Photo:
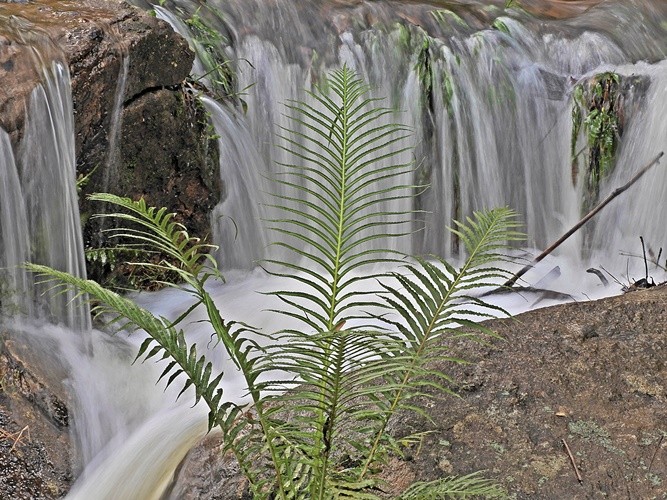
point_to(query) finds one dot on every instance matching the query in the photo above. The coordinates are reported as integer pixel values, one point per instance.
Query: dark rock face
(34, 442)
(162, 150)
(179, 171)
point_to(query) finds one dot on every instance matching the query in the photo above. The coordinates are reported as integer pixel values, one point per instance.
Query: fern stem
(240, 360)
(327, 422)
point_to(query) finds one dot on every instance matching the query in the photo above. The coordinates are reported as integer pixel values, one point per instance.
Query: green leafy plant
(596, 112)
(216, 74)
(208, 45)
(321, 396)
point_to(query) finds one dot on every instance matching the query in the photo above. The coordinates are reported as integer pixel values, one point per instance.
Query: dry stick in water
(583, 221)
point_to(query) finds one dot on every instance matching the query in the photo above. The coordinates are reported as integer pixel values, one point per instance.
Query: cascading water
(491, 111)
(15, 241)
(40, 217)
(646, 133)
(491, 107)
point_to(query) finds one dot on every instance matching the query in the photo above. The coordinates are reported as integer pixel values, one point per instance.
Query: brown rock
(166, 157)
(593, 374)
(34, 441)
(163, 150)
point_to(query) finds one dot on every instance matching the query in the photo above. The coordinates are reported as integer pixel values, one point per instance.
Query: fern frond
(433, 302)
(469, 486)
(153, 229)
(163, 340)
(189, 259)
(335, 205)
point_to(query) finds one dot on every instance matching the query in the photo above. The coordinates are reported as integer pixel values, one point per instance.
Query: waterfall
(40, 214)
(16, 296)
(640, 212)
(487, 92)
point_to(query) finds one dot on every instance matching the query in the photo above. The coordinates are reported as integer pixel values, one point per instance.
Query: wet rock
(111, 47)
(34, 442)
(178, 169)
(546, 381)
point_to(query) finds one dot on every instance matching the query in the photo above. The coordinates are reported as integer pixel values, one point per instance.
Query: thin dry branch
(15, 436)
(574, 463)
(583, 221)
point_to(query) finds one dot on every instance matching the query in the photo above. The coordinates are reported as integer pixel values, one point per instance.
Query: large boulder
(139, 131)
(592, 375)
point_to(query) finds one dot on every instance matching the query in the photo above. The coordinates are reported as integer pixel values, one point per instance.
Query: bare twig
(598, 273)
(641, 238)
(574, 464)
(662, 437)
(583, 221)
(16, 436)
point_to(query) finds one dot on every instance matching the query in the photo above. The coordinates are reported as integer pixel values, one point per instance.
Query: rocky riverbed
(588, 374)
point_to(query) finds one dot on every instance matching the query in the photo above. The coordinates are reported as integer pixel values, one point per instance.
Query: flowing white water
(492, 123)
(496, 132)
(16, 292)
(40, 215)
(113, 155)
(639, 213)
(492, 127)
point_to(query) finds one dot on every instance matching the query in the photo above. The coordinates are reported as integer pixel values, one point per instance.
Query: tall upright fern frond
(336, 222)
(336, 210)
(338, 219)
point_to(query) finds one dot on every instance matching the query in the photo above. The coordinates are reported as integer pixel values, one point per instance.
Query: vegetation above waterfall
(323, 394)
(597, 123)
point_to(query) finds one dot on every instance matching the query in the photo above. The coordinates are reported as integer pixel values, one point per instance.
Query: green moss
(402, 37)
(591, 432)
(425, 71)
(447, 18)
(500, 26)
(596, 122)
(497, 447)
(448, 91)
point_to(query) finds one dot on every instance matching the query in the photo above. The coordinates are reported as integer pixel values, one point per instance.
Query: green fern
(346, 172)
(433, 301)
(334, 213)
(291, 440)
(155, 232)
(470, 486)
(359, 379)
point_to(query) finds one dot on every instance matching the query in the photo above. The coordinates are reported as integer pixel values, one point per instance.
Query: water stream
(40, 217)
(489, 96)
(492, 122)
